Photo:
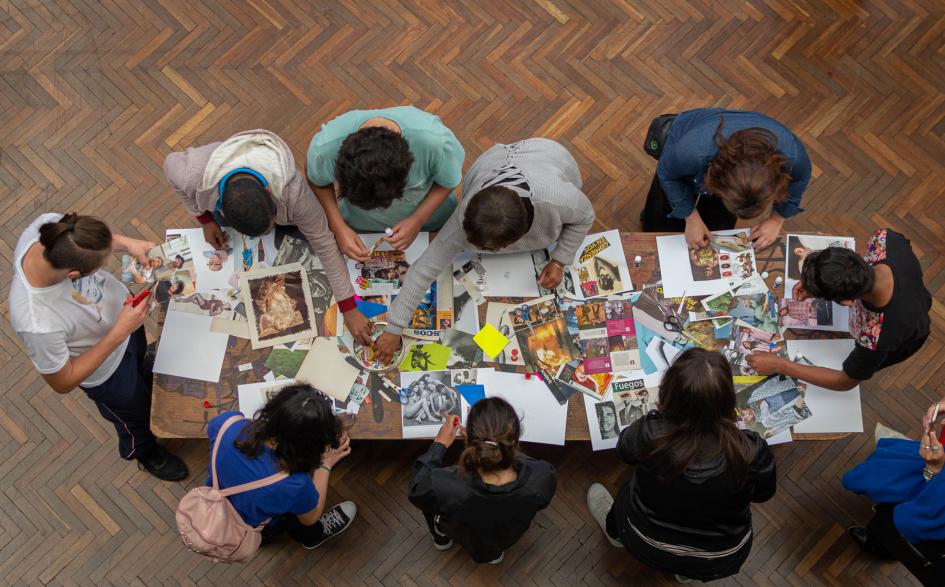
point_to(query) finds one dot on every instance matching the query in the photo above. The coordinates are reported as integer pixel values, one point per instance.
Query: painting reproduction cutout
(278, 305)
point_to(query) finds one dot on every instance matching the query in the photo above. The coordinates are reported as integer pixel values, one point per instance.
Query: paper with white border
(411, 255)
(206, 279)
(305, 309)
(841, 314)
(507, 274)
(833, 411)
(676, 270)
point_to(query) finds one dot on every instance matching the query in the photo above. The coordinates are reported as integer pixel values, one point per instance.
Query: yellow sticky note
(491, 341)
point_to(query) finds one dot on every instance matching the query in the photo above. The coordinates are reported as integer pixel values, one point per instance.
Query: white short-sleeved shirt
(66, 319)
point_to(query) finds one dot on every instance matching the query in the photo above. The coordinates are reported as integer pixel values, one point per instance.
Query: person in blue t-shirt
(296, 432)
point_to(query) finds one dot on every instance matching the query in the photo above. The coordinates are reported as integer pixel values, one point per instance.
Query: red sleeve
(205, 218)
(347, 304)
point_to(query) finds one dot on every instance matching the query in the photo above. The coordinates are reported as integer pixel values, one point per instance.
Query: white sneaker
(335, 521)
(498, 560)
(599, 502)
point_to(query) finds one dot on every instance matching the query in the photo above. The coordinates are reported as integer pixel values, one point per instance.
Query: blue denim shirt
(690, 147)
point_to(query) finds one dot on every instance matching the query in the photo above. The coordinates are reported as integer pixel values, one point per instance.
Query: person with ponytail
(296, 433)
(81, 330)
(717, 166)
(686, 510)
(488, 501)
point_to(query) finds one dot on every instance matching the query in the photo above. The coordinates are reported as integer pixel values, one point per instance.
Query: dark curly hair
(495, 218)
(301, 423)
(492, 434)
(372, 167)
(248, 206)
(836, 274)
(749, 174)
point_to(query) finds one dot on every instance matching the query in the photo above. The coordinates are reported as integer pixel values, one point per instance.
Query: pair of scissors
(671, 320)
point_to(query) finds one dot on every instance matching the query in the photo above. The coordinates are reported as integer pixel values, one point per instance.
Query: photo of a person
(279, 303)
(809, 312)
(607, 420)
(134, 271)
(209, 306)
(428, 398)
(217, 258)
(608, 276)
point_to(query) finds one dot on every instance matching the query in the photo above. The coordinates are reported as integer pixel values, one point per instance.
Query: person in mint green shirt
(394, 167)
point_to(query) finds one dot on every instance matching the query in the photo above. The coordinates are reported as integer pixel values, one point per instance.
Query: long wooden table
(181, 408)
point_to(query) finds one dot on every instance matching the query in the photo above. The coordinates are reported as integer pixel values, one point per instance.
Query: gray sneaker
(599, 502)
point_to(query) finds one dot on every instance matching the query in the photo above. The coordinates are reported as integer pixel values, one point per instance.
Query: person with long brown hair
(487, 502)
(717, 166)
(81, 329)
(687, 508)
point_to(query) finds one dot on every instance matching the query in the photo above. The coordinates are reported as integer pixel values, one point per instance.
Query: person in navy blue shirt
(717, 166)
(296, 432)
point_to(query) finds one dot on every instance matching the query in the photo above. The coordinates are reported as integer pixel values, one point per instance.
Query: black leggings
(290, 524)
(656, 210)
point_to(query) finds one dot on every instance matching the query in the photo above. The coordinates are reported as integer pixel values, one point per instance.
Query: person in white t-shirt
(81, 329)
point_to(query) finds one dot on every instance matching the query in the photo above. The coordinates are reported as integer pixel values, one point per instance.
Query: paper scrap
(253, 396)
(237, 328)
(491, 341)
(370, 309)
(325, 368)
(425, 357)
(245, 367)
(270, 376)
(471, 392)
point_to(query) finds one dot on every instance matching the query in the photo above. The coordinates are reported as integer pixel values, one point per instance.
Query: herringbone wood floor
(94, 94)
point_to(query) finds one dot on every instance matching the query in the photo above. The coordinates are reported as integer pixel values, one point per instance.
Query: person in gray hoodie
(520, 197)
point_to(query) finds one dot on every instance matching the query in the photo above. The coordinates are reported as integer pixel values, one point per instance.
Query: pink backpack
(209, 524)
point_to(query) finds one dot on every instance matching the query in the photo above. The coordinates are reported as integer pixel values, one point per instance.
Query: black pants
(925, 560)
(478, 550)
(124, 399)
(290, 524)
(618, 526)
(655, 214)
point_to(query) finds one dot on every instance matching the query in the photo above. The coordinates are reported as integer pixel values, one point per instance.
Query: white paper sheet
(833, 411)
(508, 274)
(413, 252)
(207, 279)
(782, 437)
(189, 349)
(544, 419)
(795, 247)
(252, 396)
(677, 271)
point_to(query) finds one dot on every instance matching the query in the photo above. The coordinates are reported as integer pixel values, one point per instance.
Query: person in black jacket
(488, 502)
(686, 509)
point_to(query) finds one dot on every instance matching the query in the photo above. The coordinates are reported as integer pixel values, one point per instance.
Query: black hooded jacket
(704, 508)
(484, 519)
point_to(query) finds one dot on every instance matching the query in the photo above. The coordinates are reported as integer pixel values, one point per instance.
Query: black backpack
(656, 135)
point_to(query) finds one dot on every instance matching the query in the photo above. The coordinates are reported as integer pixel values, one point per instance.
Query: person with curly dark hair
(717, 166)
(489, 500)
(295, 433)
(394, 167)
(889, 309)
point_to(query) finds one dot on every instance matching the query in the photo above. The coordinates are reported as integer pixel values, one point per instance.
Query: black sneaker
(867, 543)
(334, 522)
(440, 541)
(163, 465)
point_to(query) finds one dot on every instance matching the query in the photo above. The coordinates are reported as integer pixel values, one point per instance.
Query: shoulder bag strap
(216, 447)
(275, 478)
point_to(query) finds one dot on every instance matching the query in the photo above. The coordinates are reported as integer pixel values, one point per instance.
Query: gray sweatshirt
(563, 215)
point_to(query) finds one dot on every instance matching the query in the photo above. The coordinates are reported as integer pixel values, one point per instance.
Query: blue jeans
(124, 399)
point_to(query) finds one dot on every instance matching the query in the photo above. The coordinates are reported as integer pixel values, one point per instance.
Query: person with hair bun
(889, 309)
(717, 166)
(488, 501)
(81, 330)
(687, 508)
(296, 433)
